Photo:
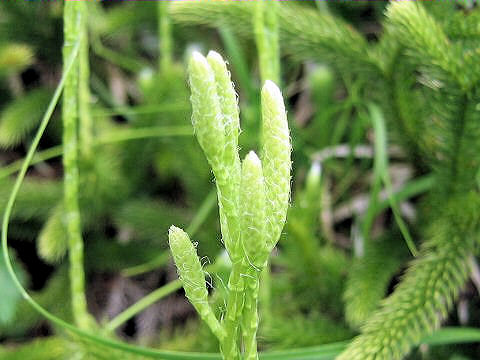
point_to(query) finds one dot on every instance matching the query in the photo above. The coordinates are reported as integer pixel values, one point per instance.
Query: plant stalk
(73, 15)
(86, 123)
(165, 36)
(250, 316)
(235, 301)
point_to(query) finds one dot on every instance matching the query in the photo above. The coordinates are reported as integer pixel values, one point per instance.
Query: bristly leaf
(21, 116)
(369, 276)
(328, 38)
(426, 294)
(15, 57)
(424, 36)
(52, 240)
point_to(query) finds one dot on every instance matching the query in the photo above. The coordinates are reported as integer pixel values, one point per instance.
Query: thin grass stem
(142, 304)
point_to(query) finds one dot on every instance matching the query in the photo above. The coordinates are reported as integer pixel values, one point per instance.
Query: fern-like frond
(452, 131)
(327, 39)
(369, 277)
(424, 37)
(21, 115)
(427, 41)
(422, 300)
(448, 132)
(305, 331)
(464, 25)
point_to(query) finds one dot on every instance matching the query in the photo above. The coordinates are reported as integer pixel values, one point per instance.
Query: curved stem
(113, 137)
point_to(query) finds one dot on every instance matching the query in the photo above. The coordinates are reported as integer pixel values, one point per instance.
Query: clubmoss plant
(252, 196)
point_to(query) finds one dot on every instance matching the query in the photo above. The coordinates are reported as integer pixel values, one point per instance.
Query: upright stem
(234, 312)
(250, 316)
(165, 36)
(266, 38)
(265, 296)
(73, 20)
(86, 123)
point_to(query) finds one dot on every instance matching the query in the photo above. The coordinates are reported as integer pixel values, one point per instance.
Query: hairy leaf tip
(253, 159)
(207, 117)
(252, 202)
(198, 61)
(215, 56)
(271, 92)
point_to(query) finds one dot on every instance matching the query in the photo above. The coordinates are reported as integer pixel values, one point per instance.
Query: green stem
(142, 133)
(165, 36)
(158, 294)
(229, 346)
(44, 155)
(114, 57)
(86, 123)
(142, 109)
(142, 304)
(250, 316)
(113, 137)
(239, 63)
(72, 34)
(265, 295)
(267, 40)
(155, 263)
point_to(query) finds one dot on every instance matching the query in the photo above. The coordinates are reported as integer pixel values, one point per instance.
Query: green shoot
(253, 200)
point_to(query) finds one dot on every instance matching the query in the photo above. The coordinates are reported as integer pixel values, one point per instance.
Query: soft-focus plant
(383, 109)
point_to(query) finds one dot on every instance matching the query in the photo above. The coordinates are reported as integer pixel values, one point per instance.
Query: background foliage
(383, 99)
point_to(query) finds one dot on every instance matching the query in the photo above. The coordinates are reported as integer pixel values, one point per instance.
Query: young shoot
(253, 199)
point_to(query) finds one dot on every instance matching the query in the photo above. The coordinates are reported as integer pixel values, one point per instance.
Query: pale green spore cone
(253, 218)
(215, 119)
(192, 276)
(228, 177)
(276, 152)
(229, 107)
(206, 114)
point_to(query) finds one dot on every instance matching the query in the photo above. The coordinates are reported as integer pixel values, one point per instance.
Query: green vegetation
(352, 235)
